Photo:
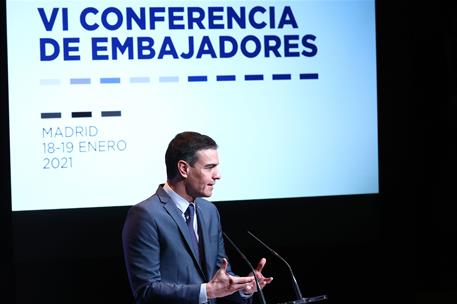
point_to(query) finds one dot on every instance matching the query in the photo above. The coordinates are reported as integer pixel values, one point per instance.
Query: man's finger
(223, 265)
(267, 280)
(236, 287)
(237, 283)
(241, 280)
(261, 264)
(240, 283)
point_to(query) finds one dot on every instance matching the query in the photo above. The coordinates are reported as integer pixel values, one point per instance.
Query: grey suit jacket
(160, 262)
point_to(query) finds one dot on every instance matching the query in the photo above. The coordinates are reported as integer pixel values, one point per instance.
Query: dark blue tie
(189, 214)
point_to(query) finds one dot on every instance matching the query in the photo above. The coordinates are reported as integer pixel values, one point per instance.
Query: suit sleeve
(142, 258)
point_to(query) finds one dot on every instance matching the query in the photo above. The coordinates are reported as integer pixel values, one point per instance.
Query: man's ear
(183, 167)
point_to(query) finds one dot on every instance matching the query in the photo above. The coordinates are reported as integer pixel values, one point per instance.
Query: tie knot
(189, 213)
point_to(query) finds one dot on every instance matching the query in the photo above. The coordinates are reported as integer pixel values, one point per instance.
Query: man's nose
(216, 174)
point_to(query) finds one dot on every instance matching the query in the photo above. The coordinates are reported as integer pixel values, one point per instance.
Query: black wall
(6, 257)
(356, 249)
(433, 140)
(75, 256)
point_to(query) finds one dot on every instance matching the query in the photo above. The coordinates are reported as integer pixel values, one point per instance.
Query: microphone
(298, 294)
(262, 298)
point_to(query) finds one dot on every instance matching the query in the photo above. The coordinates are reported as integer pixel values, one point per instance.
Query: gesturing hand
(262, 280)
(224, 284)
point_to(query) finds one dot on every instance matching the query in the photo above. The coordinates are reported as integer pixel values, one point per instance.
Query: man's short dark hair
(185, 146)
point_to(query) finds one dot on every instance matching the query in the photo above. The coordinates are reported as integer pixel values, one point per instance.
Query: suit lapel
(203, 231)
(176, 215)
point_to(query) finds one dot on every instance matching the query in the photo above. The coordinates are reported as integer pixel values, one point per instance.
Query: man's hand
(262, 280)
(223, 284)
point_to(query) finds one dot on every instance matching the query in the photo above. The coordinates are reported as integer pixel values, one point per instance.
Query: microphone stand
(298, 294)
(262, 297)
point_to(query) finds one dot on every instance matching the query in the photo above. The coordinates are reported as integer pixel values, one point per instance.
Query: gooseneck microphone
(295, 284)
(262, 298)
(297, 291)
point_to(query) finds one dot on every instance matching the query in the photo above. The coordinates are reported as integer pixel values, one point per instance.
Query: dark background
(398, 245)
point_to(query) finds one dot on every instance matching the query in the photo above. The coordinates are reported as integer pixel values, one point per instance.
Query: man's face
(202, 176)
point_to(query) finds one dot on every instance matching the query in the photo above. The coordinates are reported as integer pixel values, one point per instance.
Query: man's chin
(208, 193)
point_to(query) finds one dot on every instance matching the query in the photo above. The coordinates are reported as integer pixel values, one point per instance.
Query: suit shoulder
(207, 204)
(149, 205)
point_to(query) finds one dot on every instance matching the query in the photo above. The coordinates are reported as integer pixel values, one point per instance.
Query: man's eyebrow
(210, 165)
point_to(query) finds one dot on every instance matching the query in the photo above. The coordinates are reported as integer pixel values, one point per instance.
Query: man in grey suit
(173, 245)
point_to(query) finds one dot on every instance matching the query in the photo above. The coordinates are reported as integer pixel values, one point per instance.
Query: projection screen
(97, 89)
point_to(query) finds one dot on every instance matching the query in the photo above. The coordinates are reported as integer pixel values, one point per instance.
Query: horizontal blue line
(51, 115)
(169, 79)
(193, 78)
(197, 78)
(81, 114)
(49, 81)
(140, 79)
(79, 80)
(253, 77)
(282, 76)
(111, 113)
(309, 76)
(225, 77)
(110, 80)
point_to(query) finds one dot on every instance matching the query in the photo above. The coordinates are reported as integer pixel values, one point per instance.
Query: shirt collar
(180, 202)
